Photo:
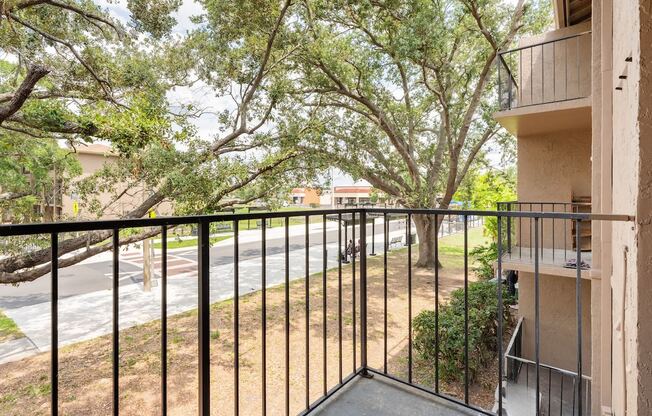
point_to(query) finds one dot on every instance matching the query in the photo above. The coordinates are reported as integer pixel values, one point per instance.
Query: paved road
(96, 273)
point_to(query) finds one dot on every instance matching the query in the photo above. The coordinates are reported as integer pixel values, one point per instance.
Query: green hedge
(482, 331)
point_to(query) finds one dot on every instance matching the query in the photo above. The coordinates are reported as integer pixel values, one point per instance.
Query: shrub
(483, 328)
(485, 257)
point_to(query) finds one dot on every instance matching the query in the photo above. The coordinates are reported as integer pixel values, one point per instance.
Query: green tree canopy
(404, 92)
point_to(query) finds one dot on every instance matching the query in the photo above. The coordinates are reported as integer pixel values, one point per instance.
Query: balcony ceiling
(571, 12)
(547, 118)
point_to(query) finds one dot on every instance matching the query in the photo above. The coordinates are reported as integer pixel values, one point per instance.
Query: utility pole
(332, 189)
(148, 256)
(148, 269)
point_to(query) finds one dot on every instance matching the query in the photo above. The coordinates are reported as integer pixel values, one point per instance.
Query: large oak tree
(405, 92)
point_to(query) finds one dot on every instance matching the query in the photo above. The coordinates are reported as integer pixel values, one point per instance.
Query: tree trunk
(427, 230)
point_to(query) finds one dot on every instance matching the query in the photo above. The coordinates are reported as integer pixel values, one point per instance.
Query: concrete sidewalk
(88, 315)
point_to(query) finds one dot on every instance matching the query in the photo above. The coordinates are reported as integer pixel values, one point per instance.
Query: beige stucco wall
(632, 193)
(553, 167)
(558, 323)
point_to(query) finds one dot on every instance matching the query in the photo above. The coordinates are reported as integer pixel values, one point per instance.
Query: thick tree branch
(34, 74)
(10, 196)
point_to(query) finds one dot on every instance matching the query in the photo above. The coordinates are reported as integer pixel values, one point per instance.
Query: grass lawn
(192, 242)
(85, 368)
(8, 329)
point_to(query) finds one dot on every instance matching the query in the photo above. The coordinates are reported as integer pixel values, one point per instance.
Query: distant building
(305, 197)
(92, 158)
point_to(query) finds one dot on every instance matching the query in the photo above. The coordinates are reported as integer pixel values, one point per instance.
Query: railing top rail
(550, 367)
(73, 226)
(512, 340)
(510, 347)
(520, 48)
(545, 203)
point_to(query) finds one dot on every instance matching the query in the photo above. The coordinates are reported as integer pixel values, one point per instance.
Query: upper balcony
(555, 243)
(546, 86)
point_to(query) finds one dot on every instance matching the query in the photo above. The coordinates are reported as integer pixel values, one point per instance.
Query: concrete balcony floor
(550, 261)
(381, 396)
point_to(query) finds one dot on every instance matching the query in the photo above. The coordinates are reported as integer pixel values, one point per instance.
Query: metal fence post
(203, 322)
(363, 292)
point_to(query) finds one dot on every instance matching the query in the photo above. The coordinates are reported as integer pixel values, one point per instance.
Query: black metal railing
(548, 72)
(558, 387)
(557, 236)
(359, 299)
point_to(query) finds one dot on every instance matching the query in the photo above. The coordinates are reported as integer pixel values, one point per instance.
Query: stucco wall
(632, 193)
(552, 168)
(558, 318)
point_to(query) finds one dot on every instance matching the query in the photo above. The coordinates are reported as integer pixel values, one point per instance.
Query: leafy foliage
(485, 257)
(483, 309)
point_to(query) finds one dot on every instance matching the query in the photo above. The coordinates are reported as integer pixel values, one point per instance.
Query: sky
(203, 96)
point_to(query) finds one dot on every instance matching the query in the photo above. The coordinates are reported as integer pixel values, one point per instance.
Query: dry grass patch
(85, 375)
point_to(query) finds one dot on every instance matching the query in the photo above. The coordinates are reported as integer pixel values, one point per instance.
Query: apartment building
(92, 158)
(305, 196)
(579, 100)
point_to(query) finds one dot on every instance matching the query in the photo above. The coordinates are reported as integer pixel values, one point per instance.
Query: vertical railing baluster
(373, 236)
(355, 361)
(363, 291)
(566, 233)
(346, 242)
(307, 307)
(54, 320)
(561, 396)
(508, 208)
(324, 306)
(385, 244)
(116, 322)
(236, 316)
(466, 311)
(553, 233)
(287, 315)
(574, 394)
(164, 320)
(499, 337)
(520, 233)
(339, 292)
(549, 387)
(500, 86)
(436, 305)
(409, 255)
(531, 223)
(578, 300)
(537, 313)
(263, 275)
(204, 319)
(543, 227)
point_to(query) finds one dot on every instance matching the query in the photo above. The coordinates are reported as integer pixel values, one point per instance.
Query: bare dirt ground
(85, 368)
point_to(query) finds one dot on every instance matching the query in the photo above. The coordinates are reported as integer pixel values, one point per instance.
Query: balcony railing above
(549, 72)
(558, 387)
(557, 237)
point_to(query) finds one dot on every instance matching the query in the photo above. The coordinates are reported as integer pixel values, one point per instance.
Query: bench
(396, 240)
(259, 223)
